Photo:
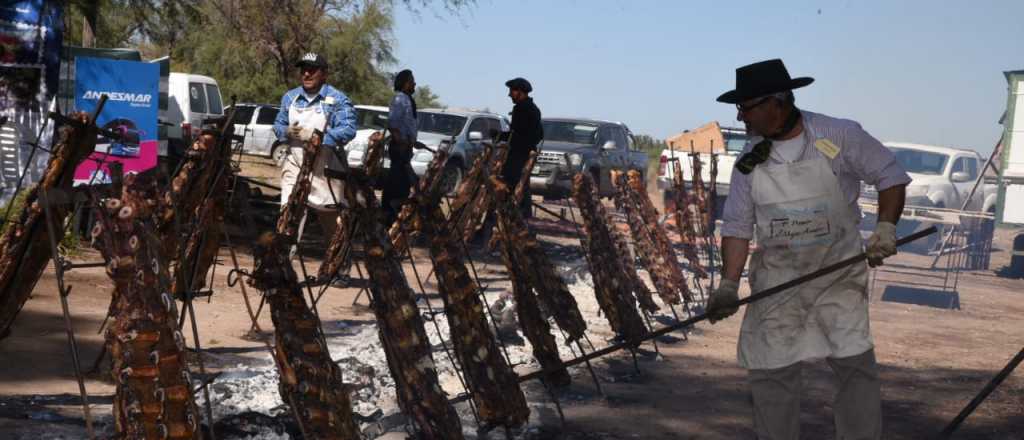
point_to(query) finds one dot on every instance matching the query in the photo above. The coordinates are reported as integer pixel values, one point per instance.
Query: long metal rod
(63, 292)
(982, 395)
(755, 297)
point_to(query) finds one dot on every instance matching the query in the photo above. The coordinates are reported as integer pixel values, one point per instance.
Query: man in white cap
(795, 189)
(315, 105)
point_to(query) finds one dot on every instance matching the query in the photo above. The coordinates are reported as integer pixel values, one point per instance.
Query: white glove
(881, 244)
(728, 292)
(299, 133)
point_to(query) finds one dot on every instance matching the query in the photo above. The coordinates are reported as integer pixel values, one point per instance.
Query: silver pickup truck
(572, 145)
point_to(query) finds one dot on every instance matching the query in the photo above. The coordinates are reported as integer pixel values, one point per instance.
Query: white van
(191, 98)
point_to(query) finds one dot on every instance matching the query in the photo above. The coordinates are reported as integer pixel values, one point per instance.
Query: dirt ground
(933, 359)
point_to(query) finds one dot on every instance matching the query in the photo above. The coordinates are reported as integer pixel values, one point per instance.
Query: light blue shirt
(341, 126)
(401, 117)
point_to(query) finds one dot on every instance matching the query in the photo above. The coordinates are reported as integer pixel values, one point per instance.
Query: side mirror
(960, 176)
(609, 145)
(475, 136)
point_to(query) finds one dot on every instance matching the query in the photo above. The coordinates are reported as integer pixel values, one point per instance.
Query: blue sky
(914, 71)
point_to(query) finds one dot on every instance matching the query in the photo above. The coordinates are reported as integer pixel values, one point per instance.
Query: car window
(479, 125)
(243, 114)
(373, 119)
(213, 93)
(972, 167)
(493, 128)
(921, 162)
(196, 98)
(571, 132)
(632, 142)
(447, 125)
(266, 116)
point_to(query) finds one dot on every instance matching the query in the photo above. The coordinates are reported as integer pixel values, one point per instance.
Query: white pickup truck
(943, 177)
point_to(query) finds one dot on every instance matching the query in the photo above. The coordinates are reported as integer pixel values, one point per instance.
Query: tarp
(704, 139)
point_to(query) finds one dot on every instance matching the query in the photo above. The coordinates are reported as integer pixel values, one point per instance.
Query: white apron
(803, 224)
(310, 118)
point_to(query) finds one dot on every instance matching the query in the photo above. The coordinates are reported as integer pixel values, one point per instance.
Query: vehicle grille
(549, 157)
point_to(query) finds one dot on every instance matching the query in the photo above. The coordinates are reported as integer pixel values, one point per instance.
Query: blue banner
(131, 111)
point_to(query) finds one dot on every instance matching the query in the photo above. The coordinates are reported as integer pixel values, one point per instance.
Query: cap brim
(310, 64)
(738, 96)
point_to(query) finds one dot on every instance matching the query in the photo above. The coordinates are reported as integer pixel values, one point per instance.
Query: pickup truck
(943, 177)
(734, 140)
(572, 145)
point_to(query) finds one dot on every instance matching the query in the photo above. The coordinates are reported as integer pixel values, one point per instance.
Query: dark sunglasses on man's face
(746, 108)
(756, 156)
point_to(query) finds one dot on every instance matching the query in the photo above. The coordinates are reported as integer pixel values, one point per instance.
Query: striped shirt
(342, 125)
(862, 158)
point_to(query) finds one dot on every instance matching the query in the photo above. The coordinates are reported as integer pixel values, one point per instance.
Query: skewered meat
(153, 397)
(605, 267)
(24, 246)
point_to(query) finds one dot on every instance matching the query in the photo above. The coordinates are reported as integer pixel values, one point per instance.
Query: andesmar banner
(132, 90)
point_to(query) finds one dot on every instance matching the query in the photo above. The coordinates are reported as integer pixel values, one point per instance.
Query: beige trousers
(857, 403)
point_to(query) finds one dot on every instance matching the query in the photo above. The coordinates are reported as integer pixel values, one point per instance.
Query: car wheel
(451, 177)
(278, 152)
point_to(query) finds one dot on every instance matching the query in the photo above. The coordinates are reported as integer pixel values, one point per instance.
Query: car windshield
(448, 125)
(921, 162)
(571, 132)
(734, 142)
(371, 119)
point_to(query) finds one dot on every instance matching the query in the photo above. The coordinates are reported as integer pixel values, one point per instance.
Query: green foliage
(425, 98)
(653, 147)
(15, 205)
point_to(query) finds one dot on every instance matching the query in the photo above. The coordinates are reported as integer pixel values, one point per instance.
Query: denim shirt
(341, 126)
(400, 116)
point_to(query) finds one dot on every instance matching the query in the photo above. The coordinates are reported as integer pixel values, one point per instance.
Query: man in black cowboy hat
(797, 185)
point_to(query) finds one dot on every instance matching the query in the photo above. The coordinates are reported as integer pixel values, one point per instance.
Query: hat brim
(738, 96)
(310, 64)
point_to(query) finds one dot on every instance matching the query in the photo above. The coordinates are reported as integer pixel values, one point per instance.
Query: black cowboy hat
(760, 79)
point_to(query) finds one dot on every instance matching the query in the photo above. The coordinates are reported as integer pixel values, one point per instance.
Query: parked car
(942, 177)
(369, 119)
(734, 140)
(191, 99)
(255, 122)
(573, 145)
(461, 133)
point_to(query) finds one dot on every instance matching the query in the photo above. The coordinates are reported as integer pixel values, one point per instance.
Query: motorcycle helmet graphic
(128, 144)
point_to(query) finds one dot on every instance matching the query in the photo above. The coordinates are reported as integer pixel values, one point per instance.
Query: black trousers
(398, 183)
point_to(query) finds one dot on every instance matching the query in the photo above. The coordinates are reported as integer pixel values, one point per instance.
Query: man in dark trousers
(526, 133)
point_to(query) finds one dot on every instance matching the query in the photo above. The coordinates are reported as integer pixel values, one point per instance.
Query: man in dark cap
(526, 133)
(315, 105)
(796, 187)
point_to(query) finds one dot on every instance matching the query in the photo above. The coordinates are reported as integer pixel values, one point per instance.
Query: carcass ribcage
(310, 383)
(551, 290)
(656, 253)
(472, 184)
(153, 390)
(484, 199)
(684, 216)
(700, 195)
(408, 224)
(201, 203)
(610, 287)
(512, 232)
(643, 295)
(338, 257)
(24, 246)
(492, 383)
(712, 194)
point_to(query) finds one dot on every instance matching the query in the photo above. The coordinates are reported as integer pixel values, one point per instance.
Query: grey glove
(728, 292)
(294, 132)
(881, 244)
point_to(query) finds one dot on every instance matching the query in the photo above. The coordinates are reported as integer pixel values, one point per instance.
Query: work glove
(881, 244)
(728, 292)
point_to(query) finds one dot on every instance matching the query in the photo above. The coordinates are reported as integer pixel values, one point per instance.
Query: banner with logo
(131, 111)
(30, 40)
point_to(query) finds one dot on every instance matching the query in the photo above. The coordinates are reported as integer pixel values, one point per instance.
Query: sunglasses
(757, 155)
(746, 108)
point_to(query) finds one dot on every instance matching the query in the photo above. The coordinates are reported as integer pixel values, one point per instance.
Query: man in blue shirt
(315, 105)
(403, 125)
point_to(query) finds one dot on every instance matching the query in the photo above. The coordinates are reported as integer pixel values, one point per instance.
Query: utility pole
(90, 12)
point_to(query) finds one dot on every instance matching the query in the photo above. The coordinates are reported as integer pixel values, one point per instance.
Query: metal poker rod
(755, 297)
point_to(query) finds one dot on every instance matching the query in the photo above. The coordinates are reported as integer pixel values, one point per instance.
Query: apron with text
(311, 118)
(803, 224)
